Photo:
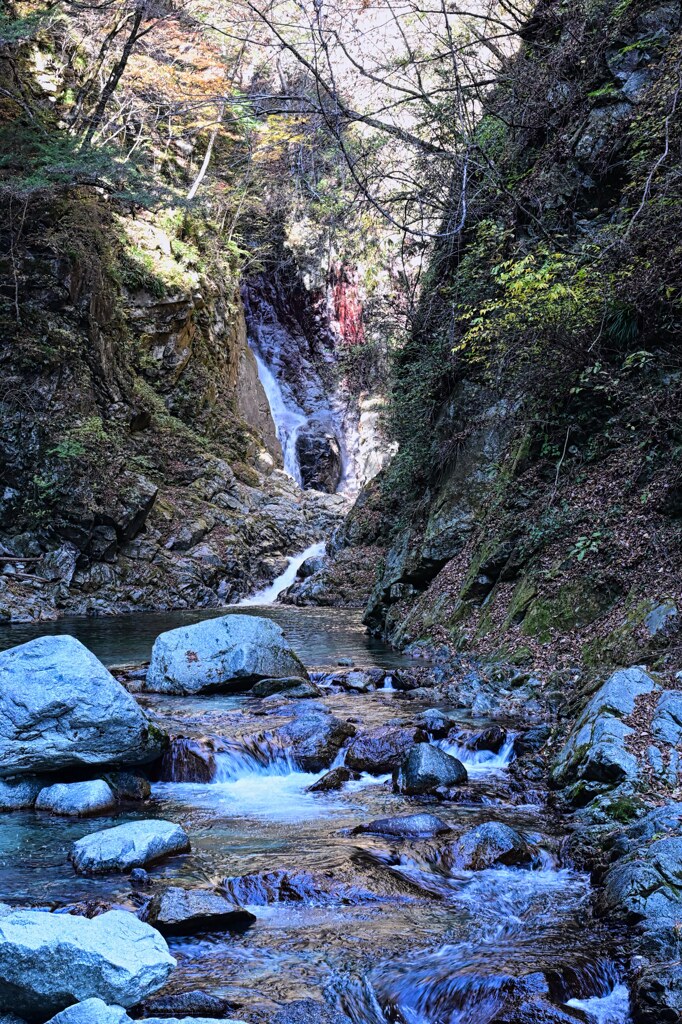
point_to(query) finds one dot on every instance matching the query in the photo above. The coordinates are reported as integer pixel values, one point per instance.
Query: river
(387, 930)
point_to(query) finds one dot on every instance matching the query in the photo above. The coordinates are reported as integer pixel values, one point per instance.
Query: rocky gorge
(340, 670)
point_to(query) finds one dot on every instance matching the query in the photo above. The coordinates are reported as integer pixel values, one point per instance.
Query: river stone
(223, 653)
(91, 1011)
(334, 779)
(426, 769)
(409, 826)
(61, 708)
(177, 911)
(129, 785)
(281, 886)
(379, 751)
(48, 961)
(183, 1004)
(314, 738)
(292, 687)
(489, 843)
(76, 798)
(127, 846)
(18, 793)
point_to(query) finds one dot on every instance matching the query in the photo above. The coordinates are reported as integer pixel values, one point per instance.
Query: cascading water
(287, 416)
(479, 761)
(270, 594)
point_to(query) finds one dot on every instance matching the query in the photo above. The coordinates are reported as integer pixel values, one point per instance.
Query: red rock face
(347, 304)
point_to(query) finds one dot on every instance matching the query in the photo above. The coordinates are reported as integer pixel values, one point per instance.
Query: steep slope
(534, 508)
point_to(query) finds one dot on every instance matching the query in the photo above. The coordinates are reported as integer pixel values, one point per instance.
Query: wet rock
(48, 961)
(186, 1004)
(334, 779)
(61, 708)
(223, 653)
(187, 760)
(132, 845)
(489, 843)
(319, 458)
(657, 995)
(532, 740)
(407, 826)
(18, 793)
(314, 738)
(294, 686)
(77, 798)
(308, 1011)
(539, 1011)
(177, 911)
(596, 749)
(426, 769)
(293, 887)
(129, 785)
(492, 738)
(91, 1011)
(139, 878)
(381, 750)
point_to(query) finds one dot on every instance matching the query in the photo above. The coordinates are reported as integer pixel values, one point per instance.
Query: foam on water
(270, 594)
(613, 1008)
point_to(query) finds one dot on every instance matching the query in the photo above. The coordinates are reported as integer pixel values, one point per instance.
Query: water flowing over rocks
(127, 846)
(48, 961)
(60, 708)
(218, 653)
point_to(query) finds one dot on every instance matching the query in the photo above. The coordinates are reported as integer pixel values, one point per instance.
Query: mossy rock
(575, 605)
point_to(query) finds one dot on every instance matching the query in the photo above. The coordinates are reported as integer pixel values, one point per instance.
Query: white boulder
(91, 1011)
(49, 961)
(127, 846)
(61, 708)
(77, 798)
(219, 654)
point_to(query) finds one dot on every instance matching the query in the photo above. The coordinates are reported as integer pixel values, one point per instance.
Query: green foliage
(587, 545)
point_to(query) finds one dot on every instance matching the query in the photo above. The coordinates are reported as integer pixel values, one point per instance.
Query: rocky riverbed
(234, 833)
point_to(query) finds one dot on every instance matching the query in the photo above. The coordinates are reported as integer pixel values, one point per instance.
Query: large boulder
(177, 911)
(127, 846)
(221, 654)
(60, 708)
(427, 769)
(18, 793)
(49, 961)
(91, 1011)
(596, 751)
(77, 798)
(379, 751)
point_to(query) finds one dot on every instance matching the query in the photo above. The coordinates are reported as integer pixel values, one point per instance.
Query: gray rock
(132, 845)
(295, 686)
(177, 911)
(596, 748)
(91, 1011)
(314, 738)
(411, 826)
(61, 708)
(129, 785)
(48, 961)
(381, 750)
(185, 1003)
(18, 793)
(76, 798)
(659, 618)
(667, 721)
(219, 654)
(426, 769)
(489, 843)
(334, 779)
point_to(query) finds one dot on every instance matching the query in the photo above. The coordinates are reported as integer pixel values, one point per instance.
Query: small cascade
(613, 1008)
(479, 761)
(270, 594)
(287, 416)
(262, 759)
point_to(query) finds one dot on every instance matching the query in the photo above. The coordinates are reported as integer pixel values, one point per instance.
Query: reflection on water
(320, 636)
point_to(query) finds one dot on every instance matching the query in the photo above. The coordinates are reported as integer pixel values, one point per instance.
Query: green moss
(577, 604)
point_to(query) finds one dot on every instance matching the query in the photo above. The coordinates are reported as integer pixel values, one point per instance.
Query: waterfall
(270, 594)
(287, 417)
